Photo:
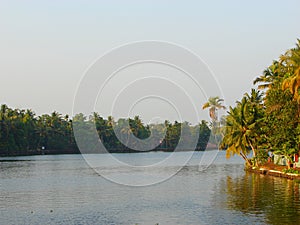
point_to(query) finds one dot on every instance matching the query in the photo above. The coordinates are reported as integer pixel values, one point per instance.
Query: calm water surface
(63, 189)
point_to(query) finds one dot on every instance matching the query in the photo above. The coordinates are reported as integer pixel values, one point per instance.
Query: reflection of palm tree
(214, 104)
(253, 194)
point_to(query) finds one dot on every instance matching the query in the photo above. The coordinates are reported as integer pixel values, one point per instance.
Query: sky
(47, 47)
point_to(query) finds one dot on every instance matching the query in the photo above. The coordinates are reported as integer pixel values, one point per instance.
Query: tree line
(22, 132)
(267, 119)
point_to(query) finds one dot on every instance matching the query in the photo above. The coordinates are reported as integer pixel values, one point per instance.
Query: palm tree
(242, 127)
(293, 84)
(255, 97)
(29, 121)
(123, 129)
(110, 121)
(235, 138)
(284, 73)
(290, 62)
(270, 77)
(214, 104)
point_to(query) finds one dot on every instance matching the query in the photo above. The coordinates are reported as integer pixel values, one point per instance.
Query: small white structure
(283, 161)
(280, 160)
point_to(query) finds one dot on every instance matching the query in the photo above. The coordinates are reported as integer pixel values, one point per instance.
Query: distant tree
(214, 104)
(204, 134)
(22, 133)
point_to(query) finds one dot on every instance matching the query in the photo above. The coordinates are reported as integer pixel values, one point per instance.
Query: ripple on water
(219, 194)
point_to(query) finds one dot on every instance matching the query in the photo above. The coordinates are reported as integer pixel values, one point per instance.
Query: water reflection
(274, 199)
(221, 194)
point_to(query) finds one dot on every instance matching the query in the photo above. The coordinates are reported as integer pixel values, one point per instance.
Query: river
(64, 189)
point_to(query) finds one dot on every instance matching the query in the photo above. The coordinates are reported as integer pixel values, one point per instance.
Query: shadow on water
(277, 200)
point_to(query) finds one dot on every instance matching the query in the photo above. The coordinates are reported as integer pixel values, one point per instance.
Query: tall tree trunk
(254, 153)
(246, 159)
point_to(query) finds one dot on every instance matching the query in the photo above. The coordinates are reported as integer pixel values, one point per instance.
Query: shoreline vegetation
(263, 124)
(266, 122)
(275, 170)
(22, 133)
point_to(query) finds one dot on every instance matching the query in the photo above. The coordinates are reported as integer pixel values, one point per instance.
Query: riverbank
(76, 151)
(275, 170)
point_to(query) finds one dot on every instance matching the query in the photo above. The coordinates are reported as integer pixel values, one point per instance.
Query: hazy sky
(46, 46)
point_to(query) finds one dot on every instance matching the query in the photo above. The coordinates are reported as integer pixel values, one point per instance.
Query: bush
(291, 170)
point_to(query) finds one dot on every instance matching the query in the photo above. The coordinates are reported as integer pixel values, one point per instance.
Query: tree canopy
(269, 122)
(22, 132)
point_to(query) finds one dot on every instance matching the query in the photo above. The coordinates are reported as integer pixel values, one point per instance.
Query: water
(63, 189)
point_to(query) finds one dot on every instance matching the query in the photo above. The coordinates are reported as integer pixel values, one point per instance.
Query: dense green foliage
(260, 125)
(23, 133)
(290, 170)
(243, 126)
(204, 134)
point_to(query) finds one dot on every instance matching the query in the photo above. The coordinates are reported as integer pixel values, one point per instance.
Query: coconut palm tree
(123, 130)
(270, 77)
(293, 84)
(214, 104)
(290, 62)
(235, 138)
(242, 123)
